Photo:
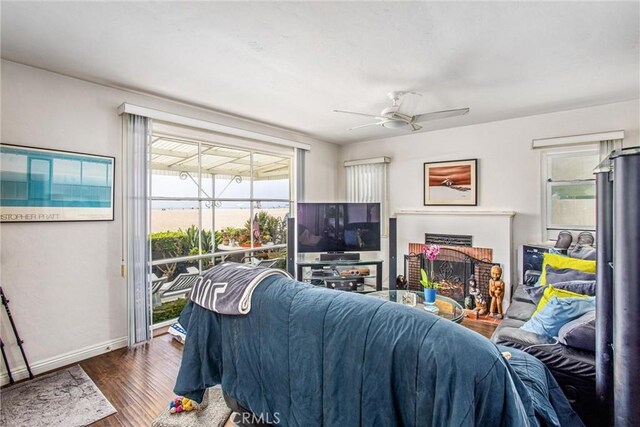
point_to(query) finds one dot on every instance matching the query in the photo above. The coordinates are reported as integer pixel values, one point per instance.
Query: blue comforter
(310, 356)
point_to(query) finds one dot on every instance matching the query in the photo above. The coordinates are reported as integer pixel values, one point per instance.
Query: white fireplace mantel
(453, 212)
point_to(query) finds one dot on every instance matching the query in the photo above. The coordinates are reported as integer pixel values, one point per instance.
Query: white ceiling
(291, 64)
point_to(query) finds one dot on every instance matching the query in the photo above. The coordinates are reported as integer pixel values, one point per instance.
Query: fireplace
(487, 228)
(453, 269)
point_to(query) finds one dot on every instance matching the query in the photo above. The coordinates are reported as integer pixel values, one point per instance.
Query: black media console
(324, 265)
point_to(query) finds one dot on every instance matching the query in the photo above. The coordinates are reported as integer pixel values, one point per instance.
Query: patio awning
(172, 156)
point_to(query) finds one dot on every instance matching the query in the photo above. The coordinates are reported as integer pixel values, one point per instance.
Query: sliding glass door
(212, 202)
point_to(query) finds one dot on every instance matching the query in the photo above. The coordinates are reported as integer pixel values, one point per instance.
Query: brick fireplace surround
(448, 258)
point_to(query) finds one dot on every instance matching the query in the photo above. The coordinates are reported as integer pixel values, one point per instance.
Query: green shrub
(169, 244)
(207, 244)
(168, 310)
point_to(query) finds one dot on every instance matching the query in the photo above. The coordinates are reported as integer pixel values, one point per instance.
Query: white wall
(508, 169)
(63, 279)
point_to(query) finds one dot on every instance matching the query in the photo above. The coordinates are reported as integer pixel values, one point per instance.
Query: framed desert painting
(452, 183)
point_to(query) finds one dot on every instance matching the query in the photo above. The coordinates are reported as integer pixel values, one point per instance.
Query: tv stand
(344, 263)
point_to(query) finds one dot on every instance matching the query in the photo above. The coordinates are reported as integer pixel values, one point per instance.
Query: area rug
(214, 415)
(66, 398)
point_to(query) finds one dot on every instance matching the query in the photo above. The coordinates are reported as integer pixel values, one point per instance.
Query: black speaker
(393, 252)
(352, 284)
(340, 256)
(291, 247)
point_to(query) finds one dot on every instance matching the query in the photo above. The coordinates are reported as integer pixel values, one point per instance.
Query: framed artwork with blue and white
(41, 185)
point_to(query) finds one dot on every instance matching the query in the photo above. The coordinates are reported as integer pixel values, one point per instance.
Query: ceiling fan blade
(439, 115)
(360, 114)
(364, 126)
(415, 127)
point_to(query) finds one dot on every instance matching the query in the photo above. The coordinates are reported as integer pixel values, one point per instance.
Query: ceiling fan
(400, 114)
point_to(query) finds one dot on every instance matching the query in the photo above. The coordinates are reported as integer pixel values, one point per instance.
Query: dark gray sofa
(573, 368)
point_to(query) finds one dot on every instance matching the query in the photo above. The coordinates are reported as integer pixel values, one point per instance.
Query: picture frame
(409, 298)
(451, 183)
(44, 185)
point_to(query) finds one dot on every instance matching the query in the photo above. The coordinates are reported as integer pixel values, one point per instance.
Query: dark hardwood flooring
(484, 329)
(139, 382)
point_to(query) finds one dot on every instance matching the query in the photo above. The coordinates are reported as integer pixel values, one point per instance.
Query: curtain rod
(204, 124)
(577, 139)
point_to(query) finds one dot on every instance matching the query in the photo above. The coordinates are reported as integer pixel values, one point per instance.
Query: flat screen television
(338, 227)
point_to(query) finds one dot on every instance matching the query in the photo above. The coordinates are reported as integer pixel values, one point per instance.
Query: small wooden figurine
(496, 291)
(480, 303)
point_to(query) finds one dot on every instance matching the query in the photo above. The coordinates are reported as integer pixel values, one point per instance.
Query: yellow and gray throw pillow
(561, 262)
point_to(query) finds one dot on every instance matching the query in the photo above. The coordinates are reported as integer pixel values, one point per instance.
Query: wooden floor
(484, 329)
(139, 382)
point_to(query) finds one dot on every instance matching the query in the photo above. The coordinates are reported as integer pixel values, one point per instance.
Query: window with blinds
(366, 181)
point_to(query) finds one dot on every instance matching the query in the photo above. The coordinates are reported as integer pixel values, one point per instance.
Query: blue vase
(430, 301)
(430, 296)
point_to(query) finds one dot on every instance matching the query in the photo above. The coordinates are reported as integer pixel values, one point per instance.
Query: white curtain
(138, 131)
(606, 147)
(368, 183)
(300, 171)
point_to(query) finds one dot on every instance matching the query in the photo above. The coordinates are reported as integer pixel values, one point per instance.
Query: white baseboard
(64, 359)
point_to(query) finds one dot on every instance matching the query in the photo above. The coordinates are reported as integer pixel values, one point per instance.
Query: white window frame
(251, 200)
(202, 139)
(549, 230)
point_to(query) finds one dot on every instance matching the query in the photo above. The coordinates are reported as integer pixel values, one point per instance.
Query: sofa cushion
(520, 310)
(521, 294)
(580, 333)
(584, 252)
(559, 275)
(573, 362)
(535, 293)
(562, 261)
(509, 331)
(551, 292)
(558, 312)
(584, 287)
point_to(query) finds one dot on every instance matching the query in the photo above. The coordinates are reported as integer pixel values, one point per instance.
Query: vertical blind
(367, 182)
(137, 245)
(609, 145)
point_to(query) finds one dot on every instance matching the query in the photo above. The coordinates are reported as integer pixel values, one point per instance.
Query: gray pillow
(584, 287)
(580, 333)
(535, 293)
(584, 252)
(559, 275)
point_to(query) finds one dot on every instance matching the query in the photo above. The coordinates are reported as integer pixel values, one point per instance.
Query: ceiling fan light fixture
(394, 124)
